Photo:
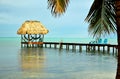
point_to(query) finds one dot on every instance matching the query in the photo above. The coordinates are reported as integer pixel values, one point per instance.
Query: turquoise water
(50, 63)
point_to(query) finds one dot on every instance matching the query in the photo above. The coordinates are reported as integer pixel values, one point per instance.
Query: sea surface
(50, 63)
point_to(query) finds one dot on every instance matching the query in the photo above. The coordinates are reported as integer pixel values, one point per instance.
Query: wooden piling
(94, 48)
(80, 48)
(113, 50)
(108, 49)
(98, 48)
(68, 47)
(55, 46)
(103, 48)
(89, 47)
(86, 48)
(60, 46)
(45, 45)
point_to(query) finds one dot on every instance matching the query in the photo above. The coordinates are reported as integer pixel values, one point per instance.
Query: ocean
(50, 63)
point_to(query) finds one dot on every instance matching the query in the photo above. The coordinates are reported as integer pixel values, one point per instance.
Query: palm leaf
(101, 18)
(58, 7)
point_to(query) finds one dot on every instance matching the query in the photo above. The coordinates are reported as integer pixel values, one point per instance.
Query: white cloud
(17, 11)
(22, 3)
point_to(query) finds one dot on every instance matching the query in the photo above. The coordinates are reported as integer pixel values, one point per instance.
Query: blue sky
(14, 12)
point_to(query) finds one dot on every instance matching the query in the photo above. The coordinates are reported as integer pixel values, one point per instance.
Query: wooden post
(90, 47)
(21, 41)
(55, 46)
(50, 45)
(74, 47)
(108, 49)
(94, 48)
(67, 47)
(98, 48)
(60, 45)
(45, 45)
(116, 50)
(86, 48)
(80, 48)
(28, 40)
(103, 48)
(42, 40)
(113, 49)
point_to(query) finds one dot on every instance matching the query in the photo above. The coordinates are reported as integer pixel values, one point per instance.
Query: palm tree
(58, 7)
(117, 6)
(103, 18)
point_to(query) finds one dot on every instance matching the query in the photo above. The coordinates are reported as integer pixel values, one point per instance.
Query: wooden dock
(73, 46)
(80, 46)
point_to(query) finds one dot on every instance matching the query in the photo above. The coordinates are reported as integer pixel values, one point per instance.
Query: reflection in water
(32, 59)
(55, 64)
(102, 53)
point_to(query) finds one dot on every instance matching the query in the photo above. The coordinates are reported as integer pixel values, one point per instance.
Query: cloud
(21, 10)
(15, 12)
(21, 3)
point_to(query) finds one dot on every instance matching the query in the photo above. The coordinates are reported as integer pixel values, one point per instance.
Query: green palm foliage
(101, 18)
(57, 7)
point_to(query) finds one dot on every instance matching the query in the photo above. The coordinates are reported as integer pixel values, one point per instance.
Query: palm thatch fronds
(57, 7)
(32, 27)
(101, 18)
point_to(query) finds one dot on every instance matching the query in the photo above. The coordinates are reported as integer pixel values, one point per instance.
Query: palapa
(32, 27)
(32, 33)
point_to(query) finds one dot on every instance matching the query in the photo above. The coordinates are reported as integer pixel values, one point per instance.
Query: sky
(13, 13)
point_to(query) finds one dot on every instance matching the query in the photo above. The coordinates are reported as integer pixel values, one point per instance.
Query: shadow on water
(102, 53)
(32, 59)
(91, 53)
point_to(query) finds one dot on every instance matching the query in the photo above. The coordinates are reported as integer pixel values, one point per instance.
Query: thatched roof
(32, 27)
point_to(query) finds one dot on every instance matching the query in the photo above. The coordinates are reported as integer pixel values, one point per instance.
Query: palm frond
(101, 18)
(58, 7)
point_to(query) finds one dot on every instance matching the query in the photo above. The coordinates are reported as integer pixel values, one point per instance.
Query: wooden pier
(80, 46)
(73, 46)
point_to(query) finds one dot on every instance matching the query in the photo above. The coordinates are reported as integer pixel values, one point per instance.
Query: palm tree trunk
(117, 5)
